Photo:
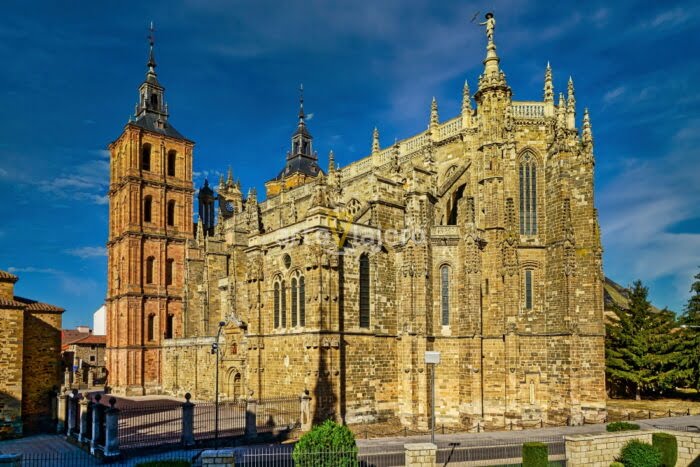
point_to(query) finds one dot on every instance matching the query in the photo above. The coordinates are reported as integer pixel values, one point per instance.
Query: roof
(300, 164)
(7, 277)
(68, 336)
(91, 339)
(7, 303)
(33, 305)
(148, 122)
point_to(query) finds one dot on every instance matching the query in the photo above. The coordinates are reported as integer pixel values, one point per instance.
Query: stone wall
(11, 338)
(600, 450)
(189, 366)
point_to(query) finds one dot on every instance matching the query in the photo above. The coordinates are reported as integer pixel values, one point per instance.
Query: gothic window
(528, 289)
(353, 207)
(294, 301)
(151, 327)
(147, 205)
(169, 326)
(528, 195)
(172, 156)
(283, 305)
(146, 157)
(276, 305)
(445, 295)
(169, 270)
(149, 269)
(454, 205)
(302, 302)
(171, 212)
(364, 291)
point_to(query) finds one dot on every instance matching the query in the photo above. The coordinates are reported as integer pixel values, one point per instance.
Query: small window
(172, 157)
(283, 305)
(92, 358)
(294, 301)
(154, 101)
(93, 347)
(169, 270)
(146, 157)
(364, 291)
(528, 289)
(147, 208)
(169, 326)
(445, 295)
(171, 213)
(302, 302)
(276, 305)
(149, 269)
(151, 327)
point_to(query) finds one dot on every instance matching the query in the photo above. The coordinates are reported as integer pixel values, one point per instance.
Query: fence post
(306, 422)
(650, 415)
(112, 430)
(97, 421)
(187, 422)
(72, 407)
(62, 408)
(84, 407)
(251, 417)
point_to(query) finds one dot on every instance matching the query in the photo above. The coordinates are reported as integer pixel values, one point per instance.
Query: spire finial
(561, 111)
(434, 118)
(587, 134)
(570, 105)
(375, 140)
(466, 98)
(548, 85)
(151, 41)
(301, 103)
(229, 177)
(331, 162)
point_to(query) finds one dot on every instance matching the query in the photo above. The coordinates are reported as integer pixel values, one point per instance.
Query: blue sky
(231, 71)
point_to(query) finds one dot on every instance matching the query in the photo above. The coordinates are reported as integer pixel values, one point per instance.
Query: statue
(490, 24)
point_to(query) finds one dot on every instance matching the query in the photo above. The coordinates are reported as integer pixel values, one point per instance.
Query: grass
(679, 401)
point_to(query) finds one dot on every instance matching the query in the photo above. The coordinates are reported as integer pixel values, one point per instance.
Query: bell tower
(150, 221)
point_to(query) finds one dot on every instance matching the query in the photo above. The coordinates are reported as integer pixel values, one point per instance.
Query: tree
(641, 349)
(690, 337)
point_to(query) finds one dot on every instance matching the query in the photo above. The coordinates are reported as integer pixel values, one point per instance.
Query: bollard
(98, 411)
(111, 430)
(251, 418)
(187, 422)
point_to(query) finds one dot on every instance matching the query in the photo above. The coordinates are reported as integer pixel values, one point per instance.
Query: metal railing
(278, 413)
(231, 419)
(152, 425)
(282, 456)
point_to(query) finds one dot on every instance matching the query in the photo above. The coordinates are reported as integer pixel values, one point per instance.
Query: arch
(234, 388)
(146, 157)
(171, 213)
(172, 161)
(147, 208)
(364, 268)
(149, 269)
(295, 307)
(528, 192)
(169, 271)
(445, 295)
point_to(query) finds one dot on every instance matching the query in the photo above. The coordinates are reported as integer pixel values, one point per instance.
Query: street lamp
(215, 350)
(432, 358)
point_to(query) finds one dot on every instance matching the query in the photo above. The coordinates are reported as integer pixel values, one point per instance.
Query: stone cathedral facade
(478, 238)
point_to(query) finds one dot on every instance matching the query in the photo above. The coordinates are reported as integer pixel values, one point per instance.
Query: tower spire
(151, 57)
(466, 99)
(375, 141)
(548, 92)
(570, 105)
(302, 116)
(434, 117)
(586, 133)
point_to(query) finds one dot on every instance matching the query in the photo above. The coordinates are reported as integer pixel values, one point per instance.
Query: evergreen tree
(641, 351)
(690, 337)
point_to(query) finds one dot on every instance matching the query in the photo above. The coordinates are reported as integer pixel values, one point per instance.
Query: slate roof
(148, 122)
(301, 164)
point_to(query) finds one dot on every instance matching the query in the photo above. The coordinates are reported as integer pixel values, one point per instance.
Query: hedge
(668, 446)
(535, 455)
(640, 454)
(621, 426)
(326, 445)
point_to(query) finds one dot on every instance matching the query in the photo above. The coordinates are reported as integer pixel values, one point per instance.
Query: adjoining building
(478, 238)
(83, 357)
(30, 361)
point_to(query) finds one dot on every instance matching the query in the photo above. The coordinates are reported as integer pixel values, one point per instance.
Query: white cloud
(88, 252)
(32, 269)
(613, 94)
(3, 173)
(88, 181)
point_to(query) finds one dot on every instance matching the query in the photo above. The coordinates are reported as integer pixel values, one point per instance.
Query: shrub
(617, 464)
(668, 446)
(640, 454)
(326, 445)
(621, 426)
(165, 463)
(535, 455)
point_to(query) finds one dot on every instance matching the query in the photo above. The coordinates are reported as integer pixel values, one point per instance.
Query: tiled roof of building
(33, 305)
(7, 303)
(68, 336)
(92, 339)
(7, 277)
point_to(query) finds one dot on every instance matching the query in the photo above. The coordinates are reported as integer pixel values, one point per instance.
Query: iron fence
(277, 414)
(146, 426)
(281, 456)
(81, 459)
(231, 420)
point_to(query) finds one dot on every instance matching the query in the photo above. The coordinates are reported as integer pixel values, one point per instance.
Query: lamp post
(215, 350)
(432, 358)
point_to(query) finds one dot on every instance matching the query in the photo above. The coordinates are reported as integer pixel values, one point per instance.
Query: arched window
(172, 157)
(171, 212)
(528, 289)
(146, 157)
(151, 327)
(169, 270)
(149, 269)
(302, 302)
(169, 326)
(454, 205)
(445, 295)
(147, 204)
(276, 305)
(528, 195)
(294, 301)
(283, 305)
(364, 291)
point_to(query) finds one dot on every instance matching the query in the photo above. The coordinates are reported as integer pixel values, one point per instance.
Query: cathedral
(477, 238)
